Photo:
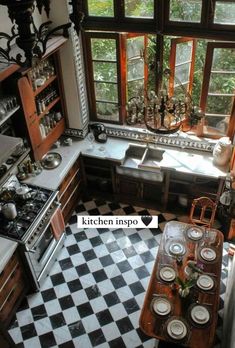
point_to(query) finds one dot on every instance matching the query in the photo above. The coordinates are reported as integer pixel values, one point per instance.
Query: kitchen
(84, 164)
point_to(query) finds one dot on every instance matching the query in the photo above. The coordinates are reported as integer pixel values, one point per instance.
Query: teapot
(222, 151)
(9, 210)
(23, 192)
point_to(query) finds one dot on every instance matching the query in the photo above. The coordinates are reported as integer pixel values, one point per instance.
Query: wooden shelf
(9, 114)
(49, 107)
(54, 130)
(47, 83)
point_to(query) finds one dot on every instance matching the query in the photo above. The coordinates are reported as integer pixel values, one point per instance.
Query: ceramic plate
(200, 314)
(176, 329)
(177, 248)
(161, 306)
(195, 233)
(208, 254)
(205, 282)
(167, 273)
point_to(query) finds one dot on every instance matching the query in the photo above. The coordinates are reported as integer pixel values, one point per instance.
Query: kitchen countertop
(175, 159)
(7, 248)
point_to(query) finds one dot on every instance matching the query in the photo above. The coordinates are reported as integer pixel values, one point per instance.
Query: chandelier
(27, 43)
(161, 113)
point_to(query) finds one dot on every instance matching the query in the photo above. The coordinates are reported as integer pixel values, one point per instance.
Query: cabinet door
(29, 108)
(128, 187)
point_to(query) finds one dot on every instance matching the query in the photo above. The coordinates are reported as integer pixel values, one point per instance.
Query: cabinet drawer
(68, 208)
(73, 170)
(70, 188)
(13, 296)
(8, 270)
(11, 280)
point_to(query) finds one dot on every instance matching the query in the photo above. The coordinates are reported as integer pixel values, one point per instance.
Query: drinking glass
(91, 139)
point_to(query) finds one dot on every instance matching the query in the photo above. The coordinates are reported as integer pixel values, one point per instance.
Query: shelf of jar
(46, 83)
(8, 115)
(49, 107)
(59, 124)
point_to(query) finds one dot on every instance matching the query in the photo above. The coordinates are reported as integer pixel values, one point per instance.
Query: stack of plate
(208, 254)
(205, 282)
(194, 233)
(161, 306)
(176, 329)
(177, 249)
(200, 315)
(167, 274)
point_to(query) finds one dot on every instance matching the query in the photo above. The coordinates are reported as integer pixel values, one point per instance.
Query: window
(182, 60)
(218, 92)
(133, 56)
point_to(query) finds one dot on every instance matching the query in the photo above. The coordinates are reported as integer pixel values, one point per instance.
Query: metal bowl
(51, 160)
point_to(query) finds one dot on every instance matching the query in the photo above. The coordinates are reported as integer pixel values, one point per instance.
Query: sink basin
(133, 156)
(151, 159)
(142, 162)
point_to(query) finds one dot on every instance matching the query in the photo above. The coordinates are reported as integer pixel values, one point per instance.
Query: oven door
(47, 246)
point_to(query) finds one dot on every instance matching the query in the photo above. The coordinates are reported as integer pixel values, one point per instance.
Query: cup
(57, 144)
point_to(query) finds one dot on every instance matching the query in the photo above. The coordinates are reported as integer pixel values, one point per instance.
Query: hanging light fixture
(161, 113)
(28, 40)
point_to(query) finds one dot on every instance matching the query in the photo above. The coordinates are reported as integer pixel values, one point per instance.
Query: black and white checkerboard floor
(95, 291)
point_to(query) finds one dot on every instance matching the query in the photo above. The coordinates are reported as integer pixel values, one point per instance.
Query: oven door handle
(33, 250)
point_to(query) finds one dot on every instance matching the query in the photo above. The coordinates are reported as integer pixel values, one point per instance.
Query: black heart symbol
(146, 219)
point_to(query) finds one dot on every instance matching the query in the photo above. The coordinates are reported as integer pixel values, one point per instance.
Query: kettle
(99, 132)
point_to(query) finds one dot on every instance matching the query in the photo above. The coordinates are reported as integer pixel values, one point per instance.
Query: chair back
(202, 212)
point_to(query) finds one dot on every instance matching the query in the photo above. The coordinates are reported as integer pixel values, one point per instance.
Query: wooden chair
(202, 212)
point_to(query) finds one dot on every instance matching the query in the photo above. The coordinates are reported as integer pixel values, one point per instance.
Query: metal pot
(9, 210)
(23, 192)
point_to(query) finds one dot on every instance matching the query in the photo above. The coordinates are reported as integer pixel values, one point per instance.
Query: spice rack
(42, 97)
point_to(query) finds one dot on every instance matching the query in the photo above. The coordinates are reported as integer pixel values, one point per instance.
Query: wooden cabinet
(13, 287)
(70, 190)
(42, 97)
(140, 189)
(98, 175)
(194, 186)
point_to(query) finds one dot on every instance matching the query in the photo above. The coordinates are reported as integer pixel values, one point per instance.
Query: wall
(59, 15)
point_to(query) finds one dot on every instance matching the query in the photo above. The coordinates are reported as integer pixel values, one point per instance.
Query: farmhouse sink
(151, 159)
(142, 162)
(133, 156)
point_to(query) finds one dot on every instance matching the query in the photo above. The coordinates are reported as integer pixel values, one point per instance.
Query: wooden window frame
(90, 74)
(174, 43)
(218, 26)
(206, 83)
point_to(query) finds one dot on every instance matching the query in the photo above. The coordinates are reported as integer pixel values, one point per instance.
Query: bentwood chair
(202, 212)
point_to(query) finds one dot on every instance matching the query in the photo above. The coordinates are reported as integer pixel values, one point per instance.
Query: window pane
(185, 11)
(224, 12)
(224, 59)
(100, 8)
(219, 123)
(219, 105)
(139, 8)
(105, 71)
(106, 92)
(107, 111)
(103, 49)
(135, 70)
(222, 83)
(135, 47)
(182, 74)
(183, 52)
(135, 89)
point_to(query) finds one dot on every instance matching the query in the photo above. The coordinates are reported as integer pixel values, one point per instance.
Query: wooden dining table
(182, 244)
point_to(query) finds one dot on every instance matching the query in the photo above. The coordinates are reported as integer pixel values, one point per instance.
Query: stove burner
(10, 160)
(3, 170)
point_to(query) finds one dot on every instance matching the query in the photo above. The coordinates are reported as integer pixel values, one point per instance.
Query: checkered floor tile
(95, 291)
